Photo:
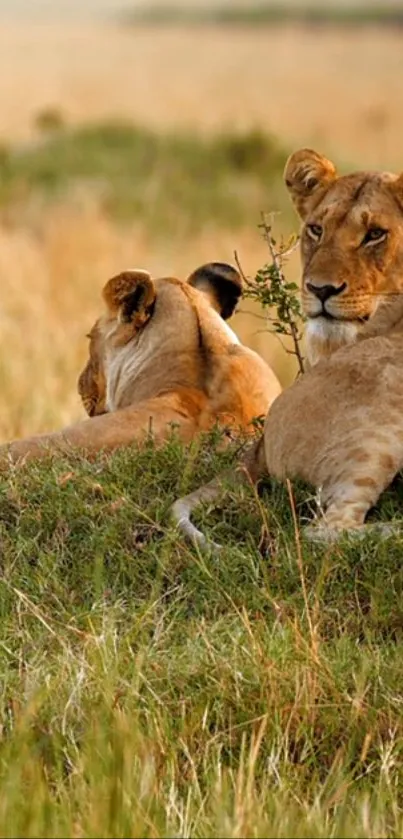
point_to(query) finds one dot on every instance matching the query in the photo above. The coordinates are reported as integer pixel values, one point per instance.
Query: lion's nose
(323, 292)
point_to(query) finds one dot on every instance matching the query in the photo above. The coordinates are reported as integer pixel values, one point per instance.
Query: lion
(339, 426)
(162, 355)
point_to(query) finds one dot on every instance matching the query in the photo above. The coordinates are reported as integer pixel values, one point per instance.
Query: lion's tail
(251, 468)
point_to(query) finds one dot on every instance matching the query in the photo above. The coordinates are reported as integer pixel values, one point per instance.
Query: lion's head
(351, 250)
(152, 335)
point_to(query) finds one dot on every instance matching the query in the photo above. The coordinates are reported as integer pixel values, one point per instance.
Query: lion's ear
(130, 297)
(397, 189)
(307, 175)
(221, 283)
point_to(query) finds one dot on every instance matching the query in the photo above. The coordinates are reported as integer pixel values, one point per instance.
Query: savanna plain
(146, 689)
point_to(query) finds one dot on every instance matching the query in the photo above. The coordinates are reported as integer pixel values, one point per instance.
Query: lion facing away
(339, 427)
(162, 354)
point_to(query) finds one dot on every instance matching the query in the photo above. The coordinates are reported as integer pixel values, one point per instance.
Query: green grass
(151, 691)
(165, 180)
(269, 14)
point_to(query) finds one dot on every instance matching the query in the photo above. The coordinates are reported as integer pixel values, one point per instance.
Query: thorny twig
(271, 290)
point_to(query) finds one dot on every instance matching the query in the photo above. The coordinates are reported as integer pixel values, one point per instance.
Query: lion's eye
(314, 231)
(374, 235)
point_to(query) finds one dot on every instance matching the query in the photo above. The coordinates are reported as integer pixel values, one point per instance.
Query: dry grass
(149, 691)
(340, 91)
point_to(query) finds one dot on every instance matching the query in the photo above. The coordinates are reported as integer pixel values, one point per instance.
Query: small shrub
(49, 120)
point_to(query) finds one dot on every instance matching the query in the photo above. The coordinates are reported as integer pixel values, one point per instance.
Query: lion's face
(151, 331)
(351, 248)
(92, 383)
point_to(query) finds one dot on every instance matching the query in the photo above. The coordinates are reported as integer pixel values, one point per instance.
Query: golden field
(337, 90)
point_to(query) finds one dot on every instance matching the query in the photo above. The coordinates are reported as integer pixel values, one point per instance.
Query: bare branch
(240, 269)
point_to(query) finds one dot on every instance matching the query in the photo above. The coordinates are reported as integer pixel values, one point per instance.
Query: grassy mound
(152, 691)
(138, 173)
(270, 14)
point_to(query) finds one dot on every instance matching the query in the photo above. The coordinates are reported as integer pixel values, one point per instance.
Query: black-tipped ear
(221, 283)
(307, 175)
(130, 297)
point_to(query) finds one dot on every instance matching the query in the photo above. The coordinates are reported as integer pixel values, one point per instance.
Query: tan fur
(339, 426)
(162, 355)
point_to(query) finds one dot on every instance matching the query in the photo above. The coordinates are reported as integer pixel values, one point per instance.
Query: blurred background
(154, 135)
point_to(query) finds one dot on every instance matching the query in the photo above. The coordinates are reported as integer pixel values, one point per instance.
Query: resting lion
(162, 354)
(339, 427)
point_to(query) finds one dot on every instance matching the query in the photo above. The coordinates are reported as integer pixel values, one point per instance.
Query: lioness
(162, 354)
(339, 427)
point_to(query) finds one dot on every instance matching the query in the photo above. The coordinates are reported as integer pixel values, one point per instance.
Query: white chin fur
(324, 336)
